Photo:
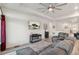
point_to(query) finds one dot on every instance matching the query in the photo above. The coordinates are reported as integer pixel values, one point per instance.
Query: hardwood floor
(35, 46)
(76, 48)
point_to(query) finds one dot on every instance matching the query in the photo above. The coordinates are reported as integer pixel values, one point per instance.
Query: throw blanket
(67, 45)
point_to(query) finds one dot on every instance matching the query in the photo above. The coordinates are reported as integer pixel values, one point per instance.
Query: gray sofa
(26, 51)
(53, 51)
(62, 48)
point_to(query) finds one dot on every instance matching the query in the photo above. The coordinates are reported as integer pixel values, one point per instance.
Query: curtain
(3, 33)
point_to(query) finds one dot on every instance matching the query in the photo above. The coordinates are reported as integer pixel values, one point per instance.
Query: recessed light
(76, 7)
(50, 9)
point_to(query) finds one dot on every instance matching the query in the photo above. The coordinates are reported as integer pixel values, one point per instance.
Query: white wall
(60, 26)
(17, 31)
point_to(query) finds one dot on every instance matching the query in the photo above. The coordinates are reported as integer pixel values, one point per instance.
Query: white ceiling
(67, 11)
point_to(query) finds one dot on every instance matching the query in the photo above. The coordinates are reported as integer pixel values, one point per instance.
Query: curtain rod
(1, 10)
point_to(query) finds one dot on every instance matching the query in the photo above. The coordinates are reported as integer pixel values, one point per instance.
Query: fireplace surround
(35, 38)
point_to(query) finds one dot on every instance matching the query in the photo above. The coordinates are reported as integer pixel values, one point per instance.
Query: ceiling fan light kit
(50, 9)
(53, 6)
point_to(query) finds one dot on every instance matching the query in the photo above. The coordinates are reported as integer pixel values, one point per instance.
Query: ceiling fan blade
(61, 4)
(58, 9)
(40, 8)
(53, 11)
(43, 10)
(43, 5)
(54, 4)
(46, 12)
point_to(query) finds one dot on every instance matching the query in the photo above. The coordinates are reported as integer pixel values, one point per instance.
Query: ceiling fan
(51, 7)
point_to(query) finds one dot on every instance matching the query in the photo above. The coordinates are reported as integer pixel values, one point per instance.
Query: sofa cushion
(53, 51)
(55, 43)
(26, 51)
(66, 45)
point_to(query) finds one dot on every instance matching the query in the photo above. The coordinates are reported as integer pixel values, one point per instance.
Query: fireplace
(35, 38)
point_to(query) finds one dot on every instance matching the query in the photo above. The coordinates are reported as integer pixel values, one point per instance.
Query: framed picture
(34, 25)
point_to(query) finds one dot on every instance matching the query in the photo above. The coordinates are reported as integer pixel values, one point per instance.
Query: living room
(36, 25)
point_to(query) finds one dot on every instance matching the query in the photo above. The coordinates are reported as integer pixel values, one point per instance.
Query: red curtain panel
(3, 33)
